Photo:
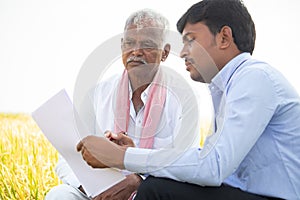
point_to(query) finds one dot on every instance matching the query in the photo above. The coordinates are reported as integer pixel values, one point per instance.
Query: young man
(140, 103)
(254, 152)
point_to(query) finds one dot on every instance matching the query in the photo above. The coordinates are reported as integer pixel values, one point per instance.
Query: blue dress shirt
(256, 143)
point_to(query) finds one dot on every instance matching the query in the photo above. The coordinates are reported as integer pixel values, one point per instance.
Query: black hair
(218, 13)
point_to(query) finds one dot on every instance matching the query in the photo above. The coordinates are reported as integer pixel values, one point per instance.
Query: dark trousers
(161, 188)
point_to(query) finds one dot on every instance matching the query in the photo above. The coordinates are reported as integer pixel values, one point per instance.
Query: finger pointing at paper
(120, 138)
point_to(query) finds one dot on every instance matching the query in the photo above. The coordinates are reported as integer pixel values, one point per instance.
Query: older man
(143, 102)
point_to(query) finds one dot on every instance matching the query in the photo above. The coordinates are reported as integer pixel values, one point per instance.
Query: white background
(43, 44)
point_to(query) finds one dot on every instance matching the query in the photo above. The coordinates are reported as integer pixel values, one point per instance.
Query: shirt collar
(144, 95)
(221, 79)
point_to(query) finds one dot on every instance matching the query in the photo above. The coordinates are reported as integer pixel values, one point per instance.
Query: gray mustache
(136, 59)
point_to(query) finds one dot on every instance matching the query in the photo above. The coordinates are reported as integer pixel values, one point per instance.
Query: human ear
(122, 43)
(165, 52)
(225, 37)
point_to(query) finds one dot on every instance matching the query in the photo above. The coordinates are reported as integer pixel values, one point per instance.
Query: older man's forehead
(154, 33)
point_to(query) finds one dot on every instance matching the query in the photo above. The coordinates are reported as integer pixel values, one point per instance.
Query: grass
(27, 159)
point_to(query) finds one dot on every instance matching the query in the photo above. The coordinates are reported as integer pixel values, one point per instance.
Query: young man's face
(199, 51)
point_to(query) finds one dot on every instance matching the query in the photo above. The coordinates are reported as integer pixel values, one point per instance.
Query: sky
(43, 44)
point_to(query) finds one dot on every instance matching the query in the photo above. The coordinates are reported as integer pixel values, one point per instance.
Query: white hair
(147, 18)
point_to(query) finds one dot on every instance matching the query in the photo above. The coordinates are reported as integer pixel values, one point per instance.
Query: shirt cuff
(135, 159)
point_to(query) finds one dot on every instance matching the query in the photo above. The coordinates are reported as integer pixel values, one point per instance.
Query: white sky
(43, 44)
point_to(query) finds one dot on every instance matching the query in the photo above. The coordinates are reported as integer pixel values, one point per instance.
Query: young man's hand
(99, 152)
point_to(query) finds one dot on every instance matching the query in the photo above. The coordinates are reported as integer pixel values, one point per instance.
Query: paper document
(56, 120)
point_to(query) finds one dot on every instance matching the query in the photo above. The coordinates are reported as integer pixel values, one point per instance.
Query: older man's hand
(120, 138)
(121, 190)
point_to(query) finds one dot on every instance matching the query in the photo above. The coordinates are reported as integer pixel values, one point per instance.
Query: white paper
(56, 120)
